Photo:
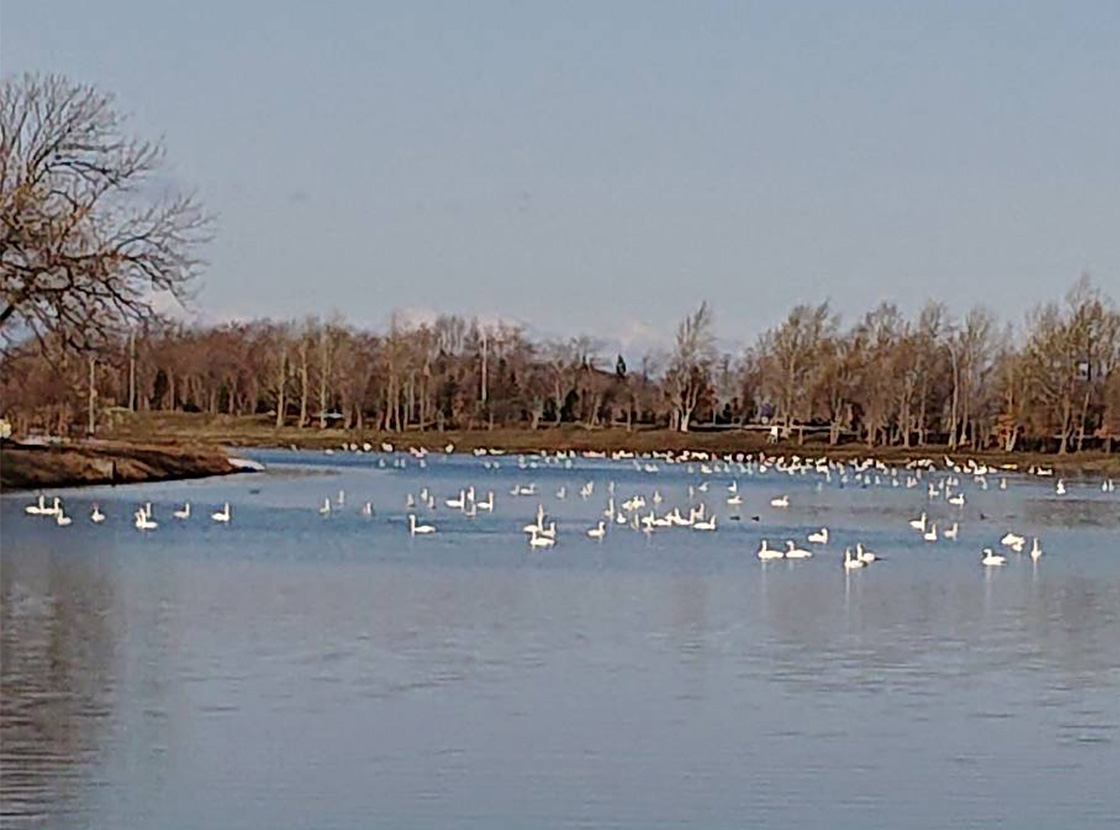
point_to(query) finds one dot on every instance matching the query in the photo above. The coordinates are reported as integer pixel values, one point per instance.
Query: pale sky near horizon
(601, 167)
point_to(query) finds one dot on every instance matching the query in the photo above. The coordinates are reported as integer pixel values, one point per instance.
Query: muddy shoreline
(32, 467)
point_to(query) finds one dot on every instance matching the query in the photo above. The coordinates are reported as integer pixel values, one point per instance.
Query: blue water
(296, 670)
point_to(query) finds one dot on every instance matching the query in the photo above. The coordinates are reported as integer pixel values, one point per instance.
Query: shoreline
(181, 429)
(36, 467)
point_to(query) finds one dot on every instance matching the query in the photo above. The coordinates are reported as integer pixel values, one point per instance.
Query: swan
(780, 501)
(414, 528)
(222, 515)
(957, 500)
(184, 512)
(61, 519)
(951, 532)
(341, 497)
(562, 493)
(766, 553)
(819, 537)
(538, 541)
(1060, 488)
(793, 552)
(919, 523)
(548, 532)
(735, 500)
(990, 558)
(457, 504)
(143, 521)
(1036, 549)
(1013, 541)
(326, 508)
(931, 534)
(96, 516)
(410, 501)
(538, 525)
(708, 524)
(367, 509)
(865, 556)
(39, 508)
(599, 531)
(851, 562)
(488, 503)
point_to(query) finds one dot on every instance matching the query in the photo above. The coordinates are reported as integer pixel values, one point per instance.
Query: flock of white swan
(647, 512)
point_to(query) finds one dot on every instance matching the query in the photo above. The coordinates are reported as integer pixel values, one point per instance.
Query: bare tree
(691, 367)
(83, 252)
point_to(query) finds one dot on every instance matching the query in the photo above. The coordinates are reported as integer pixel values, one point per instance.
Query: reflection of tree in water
(56, 650)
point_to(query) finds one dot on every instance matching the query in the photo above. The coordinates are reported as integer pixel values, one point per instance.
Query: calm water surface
(295, 670)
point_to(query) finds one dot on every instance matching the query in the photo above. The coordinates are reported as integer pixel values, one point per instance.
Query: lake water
(298, 670)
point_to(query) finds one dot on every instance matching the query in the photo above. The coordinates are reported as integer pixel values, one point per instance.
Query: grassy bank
(36, 467)
(184, 428)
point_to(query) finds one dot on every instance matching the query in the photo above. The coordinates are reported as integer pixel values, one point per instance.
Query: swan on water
(990, 558)
(819, 537)
(794, 552)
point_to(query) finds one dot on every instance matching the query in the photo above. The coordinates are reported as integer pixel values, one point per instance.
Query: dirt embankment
(33, 467)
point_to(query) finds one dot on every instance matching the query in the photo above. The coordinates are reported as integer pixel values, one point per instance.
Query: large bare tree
(86, 246)
(690, 370)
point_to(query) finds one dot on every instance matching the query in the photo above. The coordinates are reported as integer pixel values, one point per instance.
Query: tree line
(884, 379)
(89, 243)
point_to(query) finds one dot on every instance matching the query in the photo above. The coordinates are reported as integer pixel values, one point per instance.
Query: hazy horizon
(583, 168)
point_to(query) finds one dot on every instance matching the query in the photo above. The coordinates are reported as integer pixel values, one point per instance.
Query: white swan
(819, 537)
(184, 512)
(1060, 488)
(599, 531)
(919, 523)
(143, 521)
(367, 509)
(96, 516)
(957, 500)
(325, 509)
(780, 501)
(951, 532)
(1013, 541)
(990, 558)
(766, 553)
(702, 524)
(457, 504)
(538, 525)
(852, 562)
(38, 508)
(931, 534)
(415, 529)
(548, 532)
(486, 504)
(222, 515)
(865, 556)
(61, 519)
(794, 552)
(538, 541)
(1036, 549)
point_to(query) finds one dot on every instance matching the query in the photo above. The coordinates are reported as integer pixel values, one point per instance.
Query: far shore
(187, 429)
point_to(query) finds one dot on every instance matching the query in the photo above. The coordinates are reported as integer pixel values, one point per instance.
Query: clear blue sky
(598, 167)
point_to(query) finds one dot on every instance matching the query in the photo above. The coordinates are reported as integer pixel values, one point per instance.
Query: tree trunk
(281, 402)
(91, 424)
